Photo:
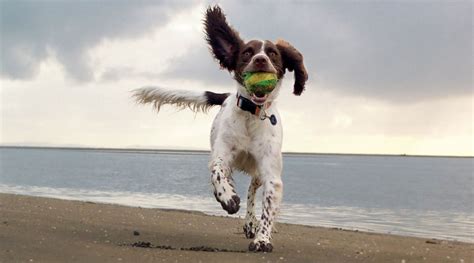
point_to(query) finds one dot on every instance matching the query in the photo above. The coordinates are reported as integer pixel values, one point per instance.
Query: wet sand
(36, 229)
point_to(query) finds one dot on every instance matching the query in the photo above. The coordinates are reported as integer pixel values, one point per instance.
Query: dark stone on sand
(142, 244)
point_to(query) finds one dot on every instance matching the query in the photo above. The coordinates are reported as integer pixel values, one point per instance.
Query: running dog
(246, 134)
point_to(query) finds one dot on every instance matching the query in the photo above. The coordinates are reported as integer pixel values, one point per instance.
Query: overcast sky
(385, 76)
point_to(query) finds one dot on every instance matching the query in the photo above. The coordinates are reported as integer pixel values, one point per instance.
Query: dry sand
(34, 229)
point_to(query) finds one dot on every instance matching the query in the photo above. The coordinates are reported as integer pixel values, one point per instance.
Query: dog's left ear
(293, 60)
(224, 41)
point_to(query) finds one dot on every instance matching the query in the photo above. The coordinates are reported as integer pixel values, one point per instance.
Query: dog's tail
(194, 100)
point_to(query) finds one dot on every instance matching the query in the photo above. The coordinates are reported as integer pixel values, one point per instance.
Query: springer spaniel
(246, 134)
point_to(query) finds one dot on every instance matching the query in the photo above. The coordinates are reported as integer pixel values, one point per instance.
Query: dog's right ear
(224, 41)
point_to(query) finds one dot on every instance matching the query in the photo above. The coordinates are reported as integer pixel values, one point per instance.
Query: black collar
(247, 105)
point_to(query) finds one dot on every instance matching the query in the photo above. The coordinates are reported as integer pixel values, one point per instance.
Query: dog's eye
(247, 53)
(272, 53)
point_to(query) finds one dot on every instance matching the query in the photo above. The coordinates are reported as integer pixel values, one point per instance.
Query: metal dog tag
(273, 120)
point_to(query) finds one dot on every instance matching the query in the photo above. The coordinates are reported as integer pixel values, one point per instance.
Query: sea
(430, 197)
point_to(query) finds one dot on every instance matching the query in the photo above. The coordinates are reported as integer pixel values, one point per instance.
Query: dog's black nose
(260, 61)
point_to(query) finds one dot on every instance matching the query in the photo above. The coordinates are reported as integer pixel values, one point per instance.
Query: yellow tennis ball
(260, 81)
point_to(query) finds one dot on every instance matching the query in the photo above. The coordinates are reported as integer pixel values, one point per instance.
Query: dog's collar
(247, 105)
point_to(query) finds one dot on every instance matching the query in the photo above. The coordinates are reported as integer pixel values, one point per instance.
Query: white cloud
(147, 56)
(324, 120)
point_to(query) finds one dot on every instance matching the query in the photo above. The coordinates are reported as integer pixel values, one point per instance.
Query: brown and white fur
(241, 140)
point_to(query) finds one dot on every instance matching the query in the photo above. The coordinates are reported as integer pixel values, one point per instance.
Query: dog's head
(240, 57)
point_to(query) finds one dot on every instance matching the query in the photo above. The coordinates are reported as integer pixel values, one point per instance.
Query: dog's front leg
(221, 179)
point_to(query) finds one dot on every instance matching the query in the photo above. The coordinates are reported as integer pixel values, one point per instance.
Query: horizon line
(157, 150)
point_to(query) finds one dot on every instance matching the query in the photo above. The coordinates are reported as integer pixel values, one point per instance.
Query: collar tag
(272, 118)
(259, 110)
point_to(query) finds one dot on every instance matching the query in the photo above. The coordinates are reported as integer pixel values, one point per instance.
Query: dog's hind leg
(270, 167)
(251, 221)
(272, 194)
(224, 189)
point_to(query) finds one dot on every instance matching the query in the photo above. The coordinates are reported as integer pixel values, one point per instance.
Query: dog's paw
(260, 246)
(231, 204)
(250, 229)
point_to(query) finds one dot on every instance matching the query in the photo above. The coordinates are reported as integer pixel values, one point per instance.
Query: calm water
(418, 196)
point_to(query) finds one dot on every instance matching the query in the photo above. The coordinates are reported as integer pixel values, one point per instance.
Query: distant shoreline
(180, 151)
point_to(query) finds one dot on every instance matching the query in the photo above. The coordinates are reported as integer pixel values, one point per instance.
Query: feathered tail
(194, 100)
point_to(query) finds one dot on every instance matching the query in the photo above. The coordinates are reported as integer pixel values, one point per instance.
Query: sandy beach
(36, 229)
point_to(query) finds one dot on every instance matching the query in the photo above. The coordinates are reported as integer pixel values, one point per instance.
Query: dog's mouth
(259, 85)
(259, 98)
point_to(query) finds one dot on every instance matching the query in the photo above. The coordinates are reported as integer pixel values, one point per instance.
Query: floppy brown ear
(224, 41)
(293, 60)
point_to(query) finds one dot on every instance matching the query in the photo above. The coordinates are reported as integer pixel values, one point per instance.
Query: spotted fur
(240, 140)
(251, 222)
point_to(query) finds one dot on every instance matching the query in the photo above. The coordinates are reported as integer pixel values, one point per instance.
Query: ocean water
(416, 196)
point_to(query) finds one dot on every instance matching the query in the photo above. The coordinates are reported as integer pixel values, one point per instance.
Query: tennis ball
(263, 82)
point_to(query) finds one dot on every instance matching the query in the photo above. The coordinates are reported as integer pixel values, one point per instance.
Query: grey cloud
(119, 73)
(199, 65)
(396, 51)
(115, 74)
(32, 31)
